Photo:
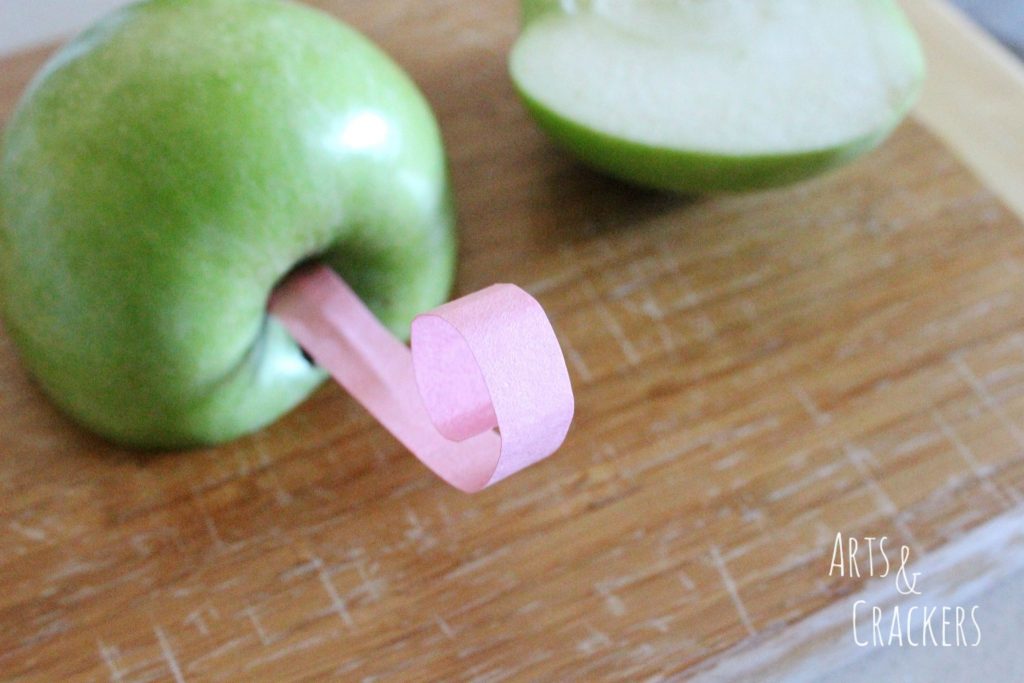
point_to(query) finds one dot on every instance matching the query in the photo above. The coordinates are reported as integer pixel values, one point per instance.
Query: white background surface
(26, 23)
(998, 659)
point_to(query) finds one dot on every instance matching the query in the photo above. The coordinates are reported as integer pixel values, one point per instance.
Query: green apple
(171, 165)
(716, 95)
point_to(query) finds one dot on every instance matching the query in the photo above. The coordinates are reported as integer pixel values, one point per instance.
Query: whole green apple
(700, 96)
(167, 169)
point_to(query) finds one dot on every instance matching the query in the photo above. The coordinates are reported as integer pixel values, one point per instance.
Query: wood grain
(753, 375)
(974, 97)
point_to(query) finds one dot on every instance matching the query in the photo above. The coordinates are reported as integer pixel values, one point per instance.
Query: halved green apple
(701, 96)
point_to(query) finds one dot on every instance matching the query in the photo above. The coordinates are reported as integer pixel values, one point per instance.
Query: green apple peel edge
(698, 97)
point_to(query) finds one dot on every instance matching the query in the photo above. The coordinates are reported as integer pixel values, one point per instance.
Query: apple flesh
(701, 96)
(167, 169)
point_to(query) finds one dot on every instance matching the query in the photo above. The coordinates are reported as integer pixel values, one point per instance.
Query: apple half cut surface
(167, 169)
(700, 96)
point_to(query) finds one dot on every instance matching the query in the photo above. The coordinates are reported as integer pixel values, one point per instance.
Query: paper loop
(490, 359)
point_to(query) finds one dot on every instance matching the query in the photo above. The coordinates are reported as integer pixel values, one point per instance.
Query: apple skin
(691, 172)
(167, 169)
(686, 172)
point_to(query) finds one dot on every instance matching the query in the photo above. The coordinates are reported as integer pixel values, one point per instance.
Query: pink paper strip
(488, 360)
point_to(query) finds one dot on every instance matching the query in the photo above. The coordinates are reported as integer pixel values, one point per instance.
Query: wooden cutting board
(754, 374)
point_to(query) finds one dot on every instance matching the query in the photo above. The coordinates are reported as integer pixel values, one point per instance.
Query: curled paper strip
(488, 360)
